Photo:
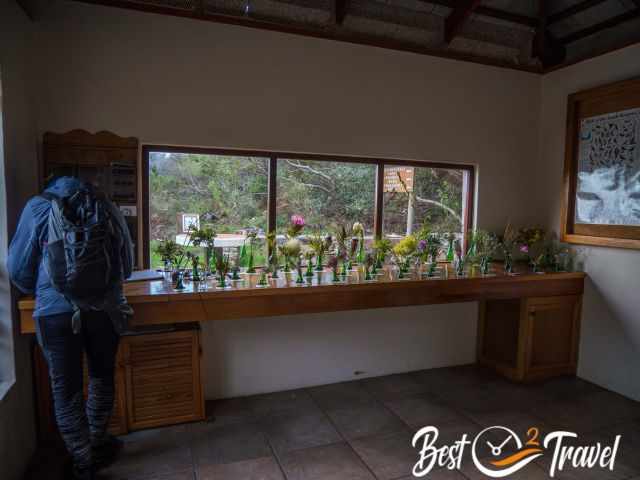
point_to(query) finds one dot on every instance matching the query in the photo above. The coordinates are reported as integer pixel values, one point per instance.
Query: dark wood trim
(578, 107)
(272, 195)
(309, 31)
(144, 172)
(456, 19)
(379, 201)
(598, 27)
(573, 10)
(273, 156)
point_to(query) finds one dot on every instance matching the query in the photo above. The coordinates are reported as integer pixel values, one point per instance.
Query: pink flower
(297, 220)
(524, 248)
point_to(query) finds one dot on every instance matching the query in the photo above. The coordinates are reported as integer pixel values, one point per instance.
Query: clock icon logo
(507, 454)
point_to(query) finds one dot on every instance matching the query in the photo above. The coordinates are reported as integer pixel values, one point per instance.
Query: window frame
(468, 184)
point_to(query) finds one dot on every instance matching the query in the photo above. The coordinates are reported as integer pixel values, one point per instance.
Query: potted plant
(247, 251)
(381, 248)
(308, 255)
(403, 251)
(195, 263)
(169, 252)
(333, 265)
(222, 267)
(272, 251)
(459, 260)
(369, 264)
(204, 237)
(450, 238)
(358, 234)
(507, 245)
(290, 250)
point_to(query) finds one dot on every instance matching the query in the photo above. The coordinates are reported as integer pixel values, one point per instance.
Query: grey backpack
(82, 257)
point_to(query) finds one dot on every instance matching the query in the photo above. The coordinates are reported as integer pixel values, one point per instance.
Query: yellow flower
(406, 246)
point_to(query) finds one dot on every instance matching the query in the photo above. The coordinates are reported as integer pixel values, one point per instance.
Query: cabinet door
(163, 379)
(552, 333)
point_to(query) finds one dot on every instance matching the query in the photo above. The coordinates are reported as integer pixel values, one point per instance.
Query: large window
(326, 193)
(227, 191)
(239, 192)
(415, 196)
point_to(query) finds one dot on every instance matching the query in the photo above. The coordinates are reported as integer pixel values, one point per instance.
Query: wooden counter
(157, 302)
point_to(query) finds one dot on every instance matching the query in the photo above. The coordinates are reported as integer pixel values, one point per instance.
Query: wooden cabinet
(157, 382)
(163, 379)
(530, 339)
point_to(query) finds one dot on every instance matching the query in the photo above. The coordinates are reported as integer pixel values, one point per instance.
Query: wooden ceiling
(531, 35)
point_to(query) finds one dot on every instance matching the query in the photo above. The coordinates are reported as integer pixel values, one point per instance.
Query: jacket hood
(65, 186)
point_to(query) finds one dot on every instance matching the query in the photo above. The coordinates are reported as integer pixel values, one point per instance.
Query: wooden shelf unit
(528, 339)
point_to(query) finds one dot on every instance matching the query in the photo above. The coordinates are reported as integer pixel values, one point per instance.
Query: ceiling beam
(573, 10)
(492, 13)
(457, 17)
(598, 27)
(546, 47)
(338, 11)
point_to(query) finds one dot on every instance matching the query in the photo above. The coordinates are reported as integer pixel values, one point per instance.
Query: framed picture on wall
(602, 167)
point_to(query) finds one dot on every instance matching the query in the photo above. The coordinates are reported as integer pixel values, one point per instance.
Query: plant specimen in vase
(169, 252)
(235, 271)
(273, 264)
(508, 243)
(247, 252)
(290, 250)
(333, 265)
(195, 263)
(530, 242)
(486, 244)
(222, 267)
(296, 224)
(179, 280)
(308, 254)
(369, 264)
(403, 251)
(299, 274)
(450, 238)
(342, 239)
(459, 260)
(204, 237)
(262, 280)
(320, 245)
(432, 248)
(381, 248)
(358, 233)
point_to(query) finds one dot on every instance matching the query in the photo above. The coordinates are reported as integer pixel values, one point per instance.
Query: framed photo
(602, 167)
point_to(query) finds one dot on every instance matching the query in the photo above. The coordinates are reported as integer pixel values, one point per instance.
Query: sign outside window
(398, 179)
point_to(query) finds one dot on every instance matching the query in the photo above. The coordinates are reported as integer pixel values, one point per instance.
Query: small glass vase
(309, 272)
(180, 280)
(319, 267)
(450, 252)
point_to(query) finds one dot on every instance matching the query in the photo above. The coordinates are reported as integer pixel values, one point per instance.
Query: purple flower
(524, 248)
(422, 245)
(297, 220)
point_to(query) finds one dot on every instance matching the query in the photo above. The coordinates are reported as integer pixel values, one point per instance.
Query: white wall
(176, 81)
(610, 340)
(16, 406)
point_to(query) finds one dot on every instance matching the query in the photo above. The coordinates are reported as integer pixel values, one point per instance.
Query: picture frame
(601, 182)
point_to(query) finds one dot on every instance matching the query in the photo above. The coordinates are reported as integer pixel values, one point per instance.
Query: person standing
(72, 249)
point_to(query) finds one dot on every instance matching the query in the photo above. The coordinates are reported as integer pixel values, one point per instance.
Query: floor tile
(157, 452)
(393, 386)
(331, 462)
(389, 456)
(231, 410)
(257, 469)
(421, 410)
(340, 395)
(227, 444)
(363, 420)
(294, 431)
(290, 400)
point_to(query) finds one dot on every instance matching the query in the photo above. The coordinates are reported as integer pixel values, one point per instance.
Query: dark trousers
(82, 427)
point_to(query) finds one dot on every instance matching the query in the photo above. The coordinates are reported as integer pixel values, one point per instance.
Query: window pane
(325, 193)
(228, 192)
(414, 196)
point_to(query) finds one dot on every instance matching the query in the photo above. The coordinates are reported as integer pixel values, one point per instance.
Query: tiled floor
(363, 429)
